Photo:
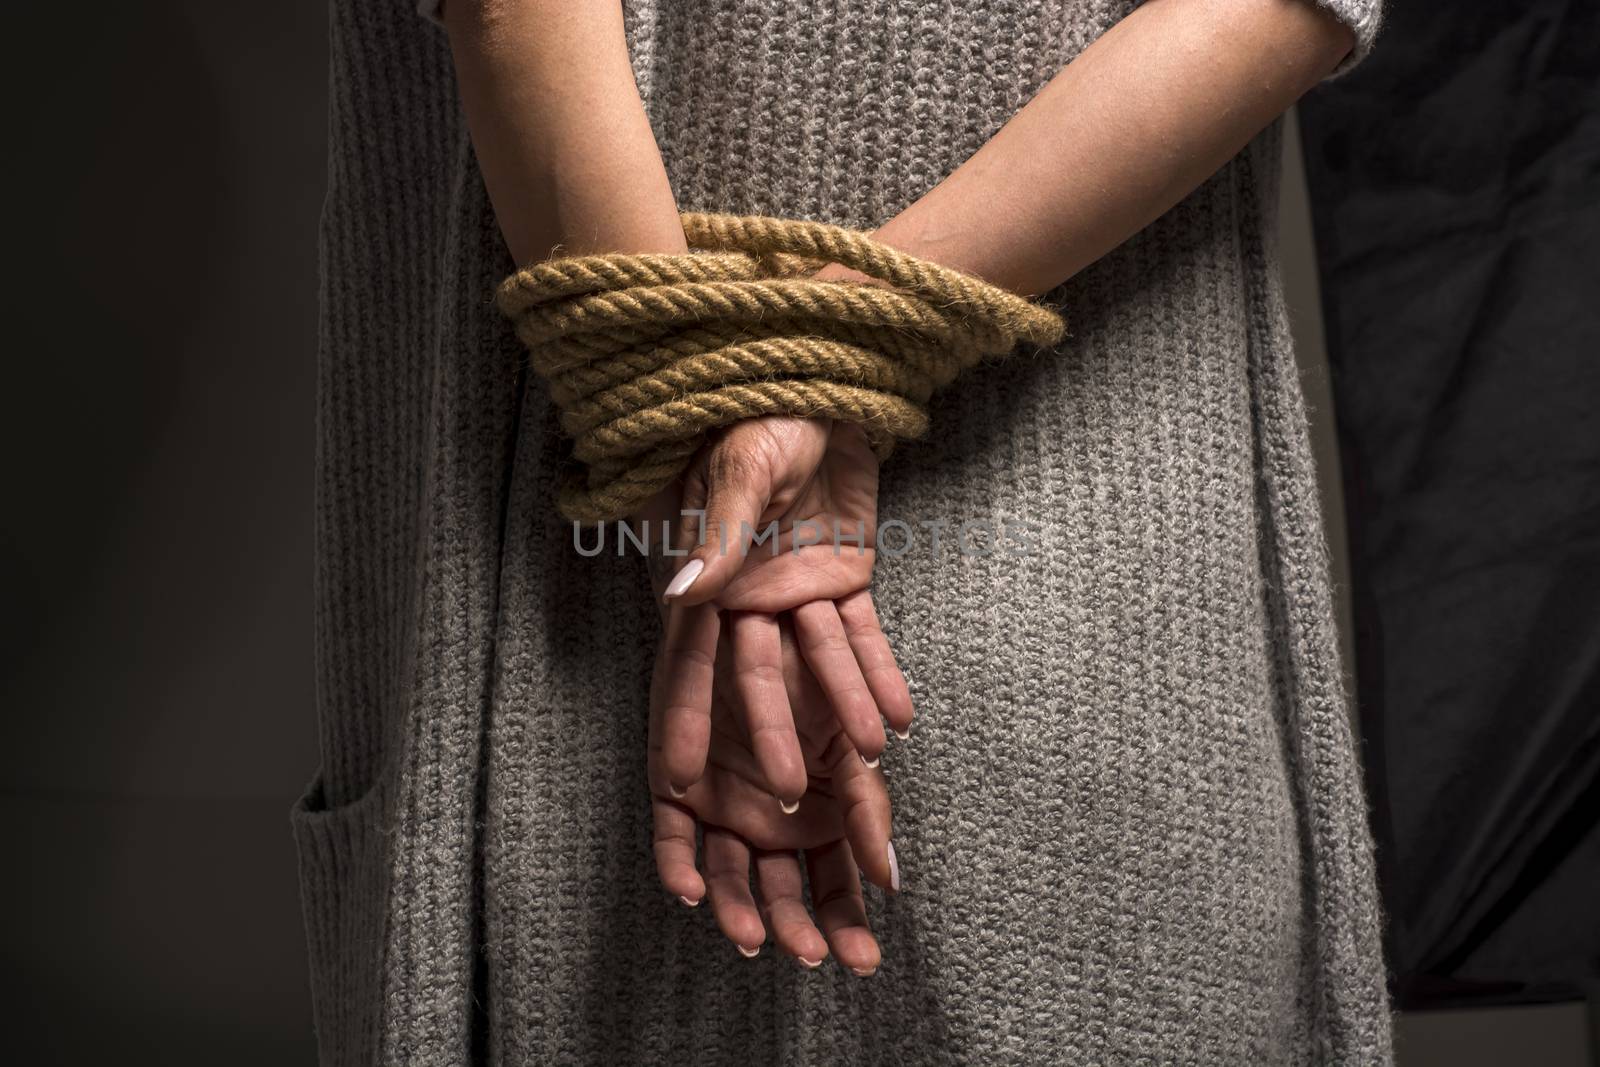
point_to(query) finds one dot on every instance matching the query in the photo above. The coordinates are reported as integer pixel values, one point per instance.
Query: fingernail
(689, 903)
(894, 870)
(873, 762)
(862, 972)
(809, 963)
(787, 808)
(749, 953)
(904, 735)
(684, 579)
(677, 794)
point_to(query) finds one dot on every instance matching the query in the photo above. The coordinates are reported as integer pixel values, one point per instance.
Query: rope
(646, 355)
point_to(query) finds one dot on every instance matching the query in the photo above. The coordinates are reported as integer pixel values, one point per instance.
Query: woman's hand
(785, 481)
(796, 477)
(765, 725)
(840, 822)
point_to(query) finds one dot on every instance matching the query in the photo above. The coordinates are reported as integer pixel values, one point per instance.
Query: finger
(735, 485)
(778, 881)
(728, 883)
(821, 637)
(863, 797)
(734, 787)
(836, 900)
(757, 657)
(680, 700)
(876, 659)
(673, 831)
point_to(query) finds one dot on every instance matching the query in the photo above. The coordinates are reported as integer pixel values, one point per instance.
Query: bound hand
(840, 822)
(786, 478)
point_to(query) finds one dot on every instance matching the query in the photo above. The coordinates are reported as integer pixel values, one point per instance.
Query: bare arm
(569, 158)
(1144, 115)
(560, 133)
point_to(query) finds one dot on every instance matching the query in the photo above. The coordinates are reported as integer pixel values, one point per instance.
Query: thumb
(723, 501)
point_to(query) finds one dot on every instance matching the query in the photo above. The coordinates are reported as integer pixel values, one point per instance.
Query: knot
(646, 355)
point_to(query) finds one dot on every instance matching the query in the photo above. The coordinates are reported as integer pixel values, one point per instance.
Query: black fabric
(1455, 184)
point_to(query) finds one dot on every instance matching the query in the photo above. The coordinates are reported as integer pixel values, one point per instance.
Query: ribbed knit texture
(1129, 821)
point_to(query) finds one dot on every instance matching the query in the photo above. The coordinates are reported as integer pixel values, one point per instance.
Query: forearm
(1143, 116)
(558, 127)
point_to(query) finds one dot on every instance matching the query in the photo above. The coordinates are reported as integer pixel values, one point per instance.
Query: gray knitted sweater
(1129, 823)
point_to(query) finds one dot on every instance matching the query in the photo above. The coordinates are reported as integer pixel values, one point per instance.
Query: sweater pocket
(343, 895)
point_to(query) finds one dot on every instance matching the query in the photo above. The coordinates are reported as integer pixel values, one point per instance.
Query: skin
(842, 811)
(567, 154)
(766, 725)
(754, 695)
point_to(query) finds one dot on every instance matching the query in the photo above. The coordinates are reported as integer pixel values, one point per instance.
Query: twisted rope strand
(646, 355)
(780, 357)
(576, 275)
(699, 412)
(825, 243)
(741, 302)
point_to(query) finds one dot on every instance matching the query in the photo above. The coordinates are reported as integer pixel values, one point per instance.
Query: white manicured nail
(809, 963)
(787, 808)
(677, 794)
(904, 735)
(862, 972)
(684, 579)
(894, 870)
(873, 762)
(689, 903)
(749, 953)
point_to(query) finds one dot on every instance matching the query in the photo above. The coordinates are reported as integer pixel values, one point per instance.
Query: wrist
(573, 221)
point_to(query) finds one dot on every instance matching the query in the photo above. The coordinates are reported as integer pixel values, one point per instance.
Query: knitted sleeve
(432, 10)
(1363, 17)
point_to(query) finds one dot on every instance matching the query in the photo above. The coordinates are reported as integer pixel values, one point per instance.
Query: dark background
(158, 691)
(1455, 178)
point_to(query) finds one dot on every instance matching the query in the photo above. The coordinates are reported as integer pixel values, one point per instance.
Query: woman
(1129, 826)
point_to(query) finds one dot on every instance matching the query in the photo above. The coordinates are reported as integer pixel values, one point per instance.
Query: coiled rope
(645, 355)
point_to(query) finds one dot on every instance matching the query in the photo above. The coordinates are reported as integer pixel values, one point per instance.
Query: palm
(844, 801)
(818, 523)
(771, 689)
(734, 792)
